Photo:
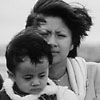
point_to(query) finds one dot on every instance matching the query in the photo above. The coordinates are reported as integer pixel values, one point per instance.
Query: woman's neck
(57, 70)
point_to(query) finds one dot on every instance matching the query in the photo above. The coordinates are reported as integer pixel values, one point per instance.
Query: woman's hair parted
(76, 18)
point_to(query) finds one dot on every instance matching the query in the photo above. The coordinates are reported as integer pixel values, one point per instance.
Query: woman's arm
(93, 77)
(97, 83)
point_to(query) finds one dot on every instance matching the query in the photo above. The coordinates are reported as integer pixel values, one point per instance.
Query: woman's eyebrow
(45, 31)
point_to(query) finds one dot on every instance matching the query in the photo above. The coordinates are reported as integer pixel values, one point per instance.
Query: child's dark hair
(27, 43)
(76, 18)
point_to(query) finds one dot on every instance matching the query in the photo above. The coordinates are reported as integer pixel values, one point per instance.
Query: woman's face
(59, 36)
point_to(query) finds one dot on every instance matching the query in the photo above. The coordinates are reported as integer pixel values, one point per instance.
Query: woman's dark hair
(75, 18)
(27, 43)
(1, 81)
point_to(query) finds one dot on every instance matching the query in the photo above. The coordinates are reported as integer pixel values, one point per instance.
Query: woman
(63, 27)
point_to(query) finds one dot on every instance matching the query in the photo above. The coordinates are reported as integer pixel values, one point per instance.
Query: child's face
(31, 78)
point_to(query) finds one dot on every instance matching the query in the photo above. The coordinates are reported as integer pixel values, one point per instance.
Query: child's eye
(42, 76)
(28, 77)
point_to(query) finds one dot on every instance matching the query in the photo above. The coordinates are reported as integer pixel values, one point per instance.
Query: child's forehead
(27, 65)
(41, 60)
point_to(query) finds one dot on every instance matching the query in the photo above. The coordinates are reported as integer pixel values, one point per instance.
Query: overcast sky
(13, 14)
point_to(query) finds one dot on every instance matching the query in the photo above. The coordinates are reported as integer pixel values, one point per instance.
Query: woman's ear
(72, 46)
(11, 75)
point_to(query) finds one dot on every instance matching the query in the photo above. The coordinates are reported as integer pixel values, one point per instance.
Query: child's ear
(11, 75)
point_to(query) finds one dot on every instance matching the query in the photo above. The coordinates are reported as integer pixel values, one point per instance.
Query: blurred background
(13, 15)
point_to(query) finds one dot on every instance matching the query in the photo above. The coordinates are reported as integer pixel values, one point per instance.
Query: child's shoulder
(3, 95)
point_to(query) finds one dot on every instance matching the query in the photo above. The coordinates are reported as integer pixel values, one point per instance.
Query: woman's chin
(56, 60)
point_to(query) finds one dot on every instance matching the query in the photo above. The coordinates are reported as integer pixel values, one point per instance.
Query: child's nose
(35, 82)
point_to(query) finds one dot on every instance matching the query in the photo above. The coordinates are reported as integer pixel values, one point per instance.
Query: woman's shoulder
(94, 78)
(93, 66)
(80, 63)
(94, 69)
(90, 65)
(93, 73)
(79, 60)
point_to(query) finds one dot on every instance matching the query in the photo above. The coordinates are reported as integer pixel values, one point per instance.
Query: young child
(28, 58)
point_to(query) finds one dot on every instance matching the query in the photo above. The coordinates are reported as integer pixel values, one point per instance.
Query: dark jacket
(4, 96)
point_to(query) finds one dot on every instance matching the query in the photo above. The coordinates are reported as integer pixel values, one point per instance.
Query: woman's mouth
(54, 53)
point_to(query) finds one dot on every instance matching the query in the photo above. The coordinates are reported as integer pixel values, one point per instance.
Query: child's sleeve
(64, 93)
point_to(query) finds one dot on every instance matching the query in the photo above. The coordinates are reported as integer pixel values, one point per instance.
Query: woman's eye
(44, 35)
(60, 35)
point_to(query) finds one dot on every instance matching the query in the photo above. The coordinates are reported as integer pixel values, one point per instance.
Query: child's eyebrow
(28, 75)
(43, 72)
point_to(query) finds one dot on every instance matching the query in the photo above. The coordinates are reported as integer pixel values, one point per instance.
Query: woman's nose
(52, 41)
